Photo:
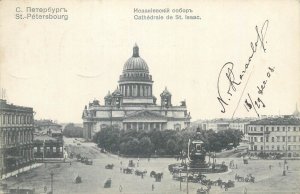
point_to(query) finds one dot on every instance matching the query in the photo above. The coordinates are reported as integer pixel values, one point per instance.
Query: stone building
(275, 135)
(16, 136)
(48, 140)
(133, 104)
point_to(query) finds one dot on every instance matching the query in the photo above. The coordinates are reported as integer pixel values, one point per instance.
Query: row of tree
(71, 130)
(167, 142)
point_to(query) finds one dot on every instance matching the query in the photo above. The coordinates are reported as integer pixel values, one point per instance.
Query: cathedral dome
(135, 63)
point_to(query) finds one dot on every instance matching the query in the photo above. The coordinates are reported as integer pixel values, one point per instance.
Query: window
(289, 147)
(295, 138)
(273, 139)
(289, 138)
(261, 147)
(278, 147)
(267, 128)
(283, 138)
(267, 147)
(261, 139)
(278, 128)
(255, 139)
(283, 128)
(272, 147)
(272, 128)
(294, 128)
(254, 128)
(283, 147)
(267, 139)
(288, 128)
(261, 128)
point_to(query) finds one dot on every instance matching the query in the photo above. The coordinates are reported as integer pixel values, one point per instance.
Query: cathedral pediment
(145, 115)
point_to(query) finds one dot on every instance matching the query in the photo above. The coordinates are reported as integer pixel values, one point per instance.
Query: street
(94, 176)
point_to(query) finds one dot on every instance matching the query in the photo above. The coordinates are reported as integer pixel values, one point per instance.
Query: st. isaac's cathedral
(133, 106)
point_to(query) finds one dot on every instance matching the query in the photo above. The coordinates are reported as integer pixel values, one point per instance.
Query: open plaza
(267, 179)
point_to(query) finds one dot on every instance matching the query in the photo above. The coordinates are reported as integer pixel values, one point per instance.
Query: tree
(71, 130)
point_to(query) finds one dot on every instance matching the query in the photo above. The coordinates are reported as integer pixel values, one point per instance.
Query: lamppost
(51, 181)
(180, 178)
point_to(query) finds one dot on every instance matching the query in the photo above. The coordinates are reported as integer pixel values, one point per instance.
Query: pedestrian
(236, 166)
(270, 167)
(287, 167)
(120, 188)
(120, 169)
(70, 163)
(245, 190)
(152, 187)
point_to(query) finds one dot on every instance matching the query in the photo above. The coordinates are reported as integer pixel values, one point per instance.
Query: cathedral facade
(133, 106)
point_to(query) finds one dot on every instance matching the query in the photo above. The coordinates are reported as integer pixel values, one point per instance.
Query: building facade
(133, 106)
(16, 136)
(275, 135)
(48, 140)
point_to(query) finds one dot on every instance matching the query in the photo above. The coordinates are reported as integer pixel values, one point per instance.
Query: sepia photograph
(149, 97)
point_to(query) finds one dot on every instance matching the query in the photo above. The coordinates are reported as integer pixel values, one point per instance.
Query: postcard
(145, 97)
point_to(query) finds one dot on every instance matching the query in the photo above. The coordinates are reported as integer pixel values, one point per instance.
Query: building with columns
(16, 137)
(133, 105)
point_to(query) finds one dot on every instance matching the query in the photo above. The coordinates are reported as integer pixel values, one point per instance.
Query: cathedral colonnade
(144, 125)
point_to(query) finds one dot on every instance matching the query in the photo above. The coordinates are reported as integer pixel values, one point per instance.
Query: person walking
(152, 187)
(245, 190)
(120, 188)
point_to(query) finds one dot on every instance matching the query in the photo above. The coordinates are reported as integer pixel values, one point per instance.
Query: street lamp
(51, 181)
(180, 178)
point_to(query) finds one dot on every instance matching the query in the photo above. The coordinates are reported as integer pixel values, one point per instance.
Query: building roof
(145, 115)
(11, 107)
(277, 121)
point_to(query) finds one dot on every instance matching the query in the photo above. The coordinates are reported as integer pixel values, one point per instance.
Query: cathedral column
(149, 126)
(131, 125)
(143, 126)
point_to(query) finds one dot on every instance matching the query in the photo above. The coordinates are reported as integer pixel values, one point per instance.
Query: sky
(59, 66)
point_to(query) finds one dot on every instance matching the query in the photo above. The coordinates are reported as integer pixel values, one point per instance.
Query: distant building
(47, 125)
(296, 112)
(133, 106)
(275, 135)
(16, 136)
(215, 124)
(223, 124)
(48, 140)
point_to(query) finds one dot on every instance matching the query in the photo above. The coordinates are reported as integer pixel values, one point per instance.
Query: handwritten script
(233, 82)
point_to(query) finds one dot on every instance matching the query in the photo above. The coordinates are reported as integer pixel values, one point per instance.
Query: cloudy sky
(58, 66)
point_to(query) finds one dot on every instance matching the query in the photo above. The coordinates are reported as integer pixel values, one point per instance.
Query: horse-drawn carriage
(107, 183)
(109, 166)
(88, 161)
(157, 176)
(250, 178)
(140, 172)
(127, 170)
(202, 191)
